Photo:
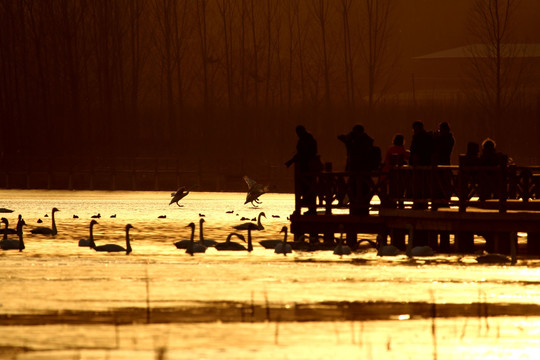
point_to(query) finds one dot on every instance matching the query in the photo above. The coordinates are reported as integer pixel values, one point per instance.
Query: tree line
(204, 78)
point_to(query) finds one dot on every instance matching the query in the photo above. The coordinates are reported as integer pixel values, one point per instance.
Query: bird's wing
(250, 182)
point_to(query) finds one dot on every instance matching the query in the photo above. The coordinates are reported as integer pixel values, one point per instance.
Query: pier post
(533, 243)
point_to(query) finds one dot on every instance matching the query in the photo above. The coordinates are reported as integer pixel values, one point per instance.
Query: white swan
(283, 247)
(7, 230)
(194, 247)
(342, 249)
(259, 225)
(230, 245)
(249, 227)
(417, 251)
(115, 247)
(90, 240)
(11, 244)
(202, 240)
(388, 250)
(493, 259)
(5, 242)
(43, 230)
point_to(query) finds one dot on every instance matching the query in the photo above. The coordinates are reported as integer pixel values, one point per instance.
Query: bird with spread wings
(254, 191)
(180, 194)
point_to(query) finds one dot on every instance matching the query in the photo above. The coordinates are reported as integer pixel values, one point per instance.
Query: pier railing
(425, 187)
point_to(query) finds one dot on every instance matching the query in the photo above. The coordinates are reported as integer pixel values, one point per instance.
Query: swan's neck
(55, 231)
(201, 235)
(128, 244)
(250, 245)
(21, 242)
(285, 237)
(91, 232)
(229, 238)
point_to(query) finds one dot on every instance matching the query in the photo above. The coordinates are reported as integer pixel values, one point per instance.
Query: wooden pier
(440, 206)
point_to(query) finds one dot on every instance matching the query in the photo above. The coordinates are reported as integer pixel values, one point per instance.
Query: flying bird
(254, 191)
(180, 193)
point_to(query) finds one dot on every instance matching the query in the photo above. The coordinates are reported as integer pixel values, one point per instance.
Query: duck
(202, 240)
(259, 225)
(43, 230)
(90, 240)
(12, 244)
(283, 247)
(115, 247)
(230, 245)
(342, 249)
(254, 191)
(97, 216)
(194, 247)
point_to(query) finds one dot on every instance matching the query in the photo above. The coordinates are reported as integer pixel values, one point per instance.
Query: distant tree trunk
(321, 8)
(375, 47)
(347, 53)
(255, 56)
(497, 66)
(224, 8)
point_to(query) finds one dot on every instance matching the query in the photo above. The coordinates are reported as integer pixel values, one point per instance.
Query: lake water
(59, 300)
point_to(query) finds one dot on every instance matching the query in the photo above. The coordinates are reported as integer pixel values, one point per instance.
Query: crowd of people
(363, 156)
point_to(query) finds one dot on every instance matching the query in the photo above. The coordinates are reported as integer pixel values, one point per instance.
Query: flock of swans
(192, 246)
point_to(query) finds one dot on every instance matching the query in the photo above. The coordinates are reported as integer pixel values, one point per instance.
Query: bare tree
(321, 12)
(497, 64)
(375, 45)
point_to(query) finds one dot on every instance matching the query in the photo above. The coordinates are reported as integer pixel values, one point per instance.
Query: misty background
(215, 88)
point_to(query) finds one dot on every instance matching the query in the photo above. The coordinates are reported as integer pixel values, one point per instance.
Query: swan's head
(240, 236)
(93, 222)
(128, 226)
(283, 229)
(200, 221)
(191, 225)
(262, 214)
(5, 221)
(54, 210)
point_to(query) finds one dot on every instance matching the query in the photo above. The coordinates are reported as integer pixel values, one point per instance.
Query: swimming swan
(283, 247)
(115, 247)
(194, 247)
(229, 245)
(90, 240)
(342, 249)
(202, 240)
(12, 244)
(43, 230)
(259, 225)
(417, 251)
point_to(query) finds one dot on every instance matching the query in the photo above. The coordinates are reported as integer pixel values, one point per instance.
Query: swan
(7, 230)
(254, 191)
(249, 227)
(283, 247)
(388, 250)
(90, 240)
(12, 244)
(43, 230)
(115, 247)
(493, 259)
(230, 245)
(179, 194)
(202, 240)
(342, 249)
(194, 247)
(259, 225)
(417, 251)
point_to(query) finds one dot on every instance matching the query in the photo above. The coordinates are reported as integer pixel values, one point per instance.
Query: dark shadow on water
(203, 312)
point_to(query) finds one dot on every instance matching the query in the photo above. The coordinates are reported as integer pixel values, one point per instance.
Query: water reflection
(56, 286)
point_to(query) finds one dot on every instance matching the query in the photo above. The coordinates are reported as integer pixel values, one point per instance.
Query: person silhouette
(307, 164)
